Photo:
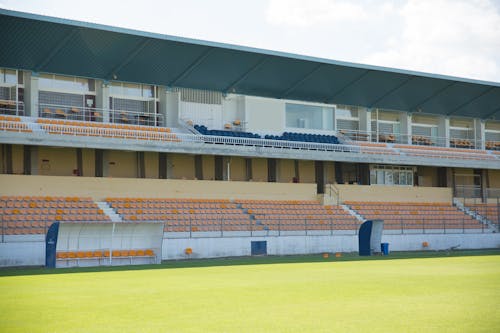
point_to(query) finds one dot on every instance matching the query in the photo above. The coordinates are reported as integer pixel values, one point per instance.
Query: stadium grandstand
(144, 147)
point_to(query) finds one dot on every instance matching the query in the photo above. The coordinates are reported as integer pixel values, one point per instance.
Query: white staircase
(459, 204)
(109, 211)
(353, 213)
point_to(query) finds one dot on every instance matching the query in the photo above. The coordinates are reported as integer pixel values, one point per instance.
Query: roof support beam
(191, 67)
(299, 82)
(425, 100)
(470, 101)
(113, 73)
(233, 85)
(344, 88)
(373, 104)
(56, 49)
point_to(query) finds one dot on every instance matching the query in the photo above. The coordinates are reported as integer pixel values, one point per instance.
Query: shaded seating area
(24, 215)
(305, 137)
(417, 216)
(238, 134)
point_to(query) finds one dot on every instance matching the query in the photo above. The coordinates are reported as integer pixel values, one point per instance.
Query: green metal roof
(46, 44)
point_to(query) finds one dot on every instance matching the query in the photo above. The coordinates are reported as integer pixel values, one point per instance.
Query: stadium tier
(164, 143)
(419, 216)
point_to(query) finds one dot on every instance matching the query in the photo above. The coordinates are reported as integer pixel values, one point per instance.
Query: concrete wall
(22, 251)
(382, 193)
(427, 176)
(100, 188)
(286, 170)
(259, 169)
(182, 166)
(209, 167)
(56, 161)
(287, 245)
(306, 172)
(238, 169)
(30, 250)
(264, 115)
(121, 164)
(494, 178)
(151, 165)
(88, 163)
(17, 159)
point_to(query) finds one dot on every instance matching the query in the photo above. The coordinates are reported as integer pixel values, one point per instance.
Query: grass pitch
(440, 294)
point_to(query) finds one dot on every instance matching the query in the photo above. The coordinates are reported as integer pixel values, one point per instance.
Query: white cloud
(460, 38)
(307, 13)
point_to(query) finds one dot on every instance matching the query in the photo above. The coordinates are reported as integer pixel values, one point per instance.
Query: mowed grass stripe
(458, 294)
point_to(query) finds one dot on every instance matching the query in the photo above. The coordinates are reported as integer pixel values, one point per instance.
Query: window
(8, 76)
(65, 83)
(309, 116)
(123, 89)
(391, 175)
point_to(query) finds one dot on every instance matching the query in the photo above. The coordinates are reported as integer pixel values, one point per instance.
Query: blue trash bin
(384, 247)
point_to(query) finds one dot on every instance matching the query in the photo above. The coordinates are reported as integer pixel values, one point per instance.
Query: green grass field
(294, 294)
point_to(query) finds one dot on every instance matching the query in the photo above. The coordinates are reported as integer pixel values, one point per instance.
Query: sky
(452, 37)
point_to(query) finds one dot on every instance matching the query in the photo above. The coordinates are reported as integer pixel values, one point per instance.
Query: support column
(444, 131)
(31, 94)
(479, 134)
(35, 169)
(169, 106)
(405, 130)
(365, 122)
(102, 99)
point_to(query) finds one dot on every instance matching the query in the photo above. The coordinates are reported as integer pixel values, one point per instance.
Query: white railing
(157, 134)
(420, 140)
(11, 107)
(68, 112)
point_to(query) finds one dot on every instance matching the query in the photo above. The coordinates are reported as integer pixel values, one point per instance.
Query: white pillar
(405, 123)
(479, 134)
(102, 99)
(169, 106)
(365, 122)
(444, 131)
(31, 94)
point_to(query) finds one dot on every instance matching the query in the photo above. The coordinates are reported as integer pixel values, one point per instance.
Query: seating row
(95, 254)
(205, 131)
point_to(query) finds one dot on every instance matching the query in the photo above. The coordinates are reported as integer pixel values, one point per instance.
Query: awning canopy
(46, 44)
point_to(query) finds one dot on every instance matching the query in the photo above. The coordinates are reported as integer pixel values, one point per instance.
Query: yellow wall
(259, 169)
(151, 164)
(100, 188)
(381, 193)
(208, 165)
(121, 164)
(88, 156)
(329, 172)
(56, 161)
(238, 169)
(306, 172)
(427, 176)
(17, 159)
(286, 170)
(464, 176)
(182, 166)
(494, 178)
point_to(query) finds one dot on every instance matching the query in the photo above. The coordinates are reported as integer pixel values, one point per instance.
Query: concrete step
(353, 213)
(109, 211)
